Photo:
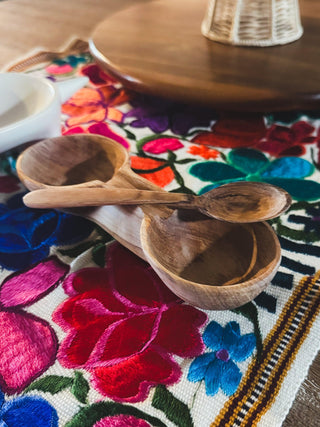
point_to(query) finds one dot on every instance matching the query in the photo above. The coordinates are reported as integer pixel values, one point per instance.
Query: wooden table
(28, 24)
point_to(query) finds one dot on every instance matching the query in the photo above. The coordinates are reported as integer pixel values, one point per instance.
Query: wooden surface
(25, 26)
(158, 48)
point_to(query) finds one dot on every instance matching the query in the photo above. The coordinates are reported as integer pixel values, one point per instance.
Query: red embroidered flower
(124, 326)
(234, 130)
(96, 75)
(288, 141)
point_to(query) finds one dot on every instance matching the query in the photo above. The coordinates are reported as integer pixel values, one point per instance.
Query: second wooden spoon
(90, 170)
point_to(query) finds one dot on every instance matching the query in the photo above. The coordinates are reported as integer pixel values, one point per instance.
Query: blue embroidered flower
(26, 235)
(246, 164)
(27, 411)
(217, 368)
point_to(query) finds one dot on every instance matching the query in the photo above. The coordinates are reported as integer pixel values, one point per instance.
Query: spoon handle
(64, 197)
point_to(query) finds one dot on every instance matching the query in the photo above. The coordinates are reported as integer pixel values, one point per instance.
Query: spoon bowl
(100, 172)
(220, 265)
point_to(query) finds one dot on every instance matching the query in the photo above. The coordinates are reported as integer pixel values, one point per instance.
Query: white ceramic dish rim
(53, 96)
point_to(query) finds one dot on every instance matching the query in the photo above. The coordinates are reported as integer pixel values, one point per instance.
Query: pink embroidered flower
(59, 69)
(28, 344)
(100, 129)
(161, 145)
(121, 421)
(124, 326)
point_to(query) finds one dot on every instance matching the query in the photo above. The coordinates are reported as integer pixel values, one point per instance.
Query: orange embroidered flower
(155, 171)
(95, 105)
(203, 151)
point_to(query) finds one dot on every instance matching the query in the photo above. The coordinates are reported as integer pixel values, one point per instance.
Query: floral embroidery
(27, 411)
(217, 368)
(96, 75)
(99, 129)
(252, 165)
(131, 307)
(161, 115)
(203, 151)
(233, 130)
(156, 171)
(94, 105)
(26, 235)
(121, 421)
(27, 343)
(161, 145)
(288, 141)
(66, 65)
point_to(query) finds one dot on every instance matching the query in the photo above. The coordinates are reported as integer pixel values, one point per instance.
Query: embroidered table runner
(90, 336)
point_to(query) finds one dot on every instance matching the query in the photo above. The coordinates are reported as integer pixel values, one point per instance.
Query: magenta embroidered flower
(99, 129)
(28, 344)
(124, 326)
(121, 421)
(161, 145)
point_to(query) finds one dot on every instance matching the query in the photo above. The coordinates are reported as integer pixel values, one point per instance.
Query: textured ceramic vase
(252, 22)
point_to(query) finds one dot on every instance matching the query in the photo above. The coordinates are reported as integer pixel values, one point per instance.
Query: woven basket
(252, 22)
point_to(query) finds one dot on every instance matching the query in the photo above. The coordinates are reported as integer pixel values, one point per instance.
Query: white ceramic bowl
(30, 107)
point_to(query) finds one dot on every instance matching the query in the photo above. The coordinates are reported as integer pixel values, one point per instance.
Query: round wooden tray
(157, 48)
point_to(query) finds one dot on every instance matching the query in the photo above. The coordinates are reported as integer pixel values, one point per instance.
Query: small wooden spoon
(97, 173)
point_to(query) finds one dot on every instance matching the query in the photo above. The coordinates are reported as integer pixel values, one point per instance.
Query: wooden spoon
(97, 173)
(208, 263)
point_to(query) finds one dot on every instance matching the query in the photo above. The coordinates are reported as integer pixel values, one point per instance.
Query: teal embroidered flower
(246, 164)
(218, 368)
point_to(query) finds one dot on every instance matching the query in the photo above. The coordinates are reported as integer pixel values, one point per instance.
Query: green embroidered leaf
(247, 160)
(89, 415)
(175, 410)
(250, 311)
(129, 134)
(298, 235)
(185, 161)
(98, 254)
(80, 387)
(51, 384)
